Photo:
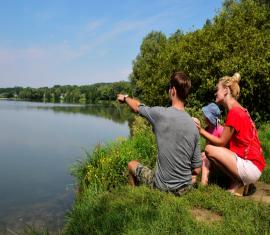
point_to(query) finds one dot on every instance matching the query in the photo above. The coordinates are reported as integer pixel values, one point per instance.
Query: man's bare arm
(132, 103)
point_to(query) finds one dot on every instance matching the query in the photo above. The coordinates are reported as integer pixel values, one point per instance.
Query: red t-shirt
(245, 142)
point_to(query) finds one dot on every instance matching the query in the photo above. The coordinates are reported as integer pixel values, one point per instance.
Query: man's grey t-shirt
(178, 143)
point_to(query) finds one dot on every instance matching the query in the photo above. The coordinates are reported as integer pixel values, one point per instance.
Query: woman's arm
(218, 141)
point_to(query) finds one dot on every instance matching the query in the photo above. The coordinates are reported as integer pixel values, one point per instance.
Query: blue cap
(212, 113)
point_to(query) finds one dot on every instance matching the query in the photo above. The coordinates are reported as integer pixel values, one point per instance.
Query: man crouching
(179, 155)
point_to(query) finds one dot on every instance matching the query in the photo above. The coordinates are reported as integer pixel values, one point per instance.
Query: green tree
(148, 77)
(236, 40)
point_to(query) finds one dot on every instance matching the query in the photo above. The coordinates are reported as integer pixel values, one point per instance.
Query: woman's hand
(197, 123)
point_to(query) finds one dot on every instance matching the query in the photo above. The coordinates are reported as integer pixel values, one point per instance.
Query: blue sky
(59, 42)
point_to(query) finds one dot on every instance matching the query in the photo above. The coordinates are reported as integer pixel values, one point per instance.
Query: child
(211, 113)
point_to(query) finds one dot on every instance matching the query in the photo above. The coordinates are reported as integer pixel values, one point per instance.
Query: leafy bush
(264, 136)
(106, 167)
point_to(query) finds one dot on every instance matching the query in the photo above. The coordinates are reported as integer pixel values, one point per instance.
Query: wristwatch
(125, 96)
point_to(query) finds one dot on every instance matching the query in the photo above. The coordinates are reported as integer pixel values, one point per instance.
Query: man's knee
(132, 165)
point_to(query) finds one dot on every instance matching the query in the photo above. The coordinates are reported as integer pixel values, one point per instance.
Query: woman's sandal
(239, 192)
(246, 190)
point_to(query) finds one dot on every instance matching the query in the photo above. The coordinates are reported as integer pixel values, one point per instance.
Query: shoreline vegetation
(236, 40)
(105, 204)
(85, 94)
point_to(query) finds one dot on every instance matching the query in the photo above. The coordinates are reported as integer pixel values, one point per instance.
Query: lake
(39, 142)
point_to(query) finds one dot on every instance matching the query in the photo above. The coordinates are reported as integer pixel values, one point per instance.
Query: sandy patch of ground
(262, 193)
(206, 216)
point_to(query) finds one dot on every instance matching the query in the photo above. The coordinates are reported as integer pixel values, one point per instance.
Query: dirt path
(262, 193)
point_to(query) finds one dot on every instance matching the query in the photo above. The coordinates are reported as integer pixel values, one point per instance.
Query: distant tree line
(69, 94)
(236, 40)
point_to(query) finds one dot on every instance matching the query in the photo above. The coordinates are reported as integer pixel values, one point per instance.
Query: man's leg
(132, 166)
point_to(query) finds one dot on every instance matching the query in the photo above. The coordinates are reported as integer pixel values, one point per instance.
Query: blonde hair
(232, 83)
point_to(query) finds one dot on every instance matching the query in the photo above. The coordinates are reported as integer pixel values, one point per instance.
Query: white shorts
(248, 172)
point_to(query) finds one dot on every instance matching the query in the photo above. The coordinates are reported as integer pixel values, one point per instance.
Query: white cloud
(93, 25)
(116, 30)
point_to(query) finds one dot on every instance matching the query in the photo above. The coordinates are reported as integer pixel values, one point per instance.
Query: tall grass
(264, 136)
(106, 167)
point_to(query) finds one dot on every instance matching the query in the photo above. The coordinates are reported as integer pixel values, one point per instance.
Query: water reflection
(114, 112)
(119, 114)
(38, 144)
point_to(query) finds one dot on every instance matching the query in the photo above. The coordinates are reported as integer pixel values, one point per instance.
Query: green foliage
(141, 210)
(106, 167)
(264, 136)
(265, 177)
(70, 94)
(237, 40)
(10, 92)
(149, 75)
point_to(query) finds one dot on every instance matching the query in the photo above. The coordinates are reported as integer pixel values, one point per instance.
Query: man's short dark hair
(182, 84)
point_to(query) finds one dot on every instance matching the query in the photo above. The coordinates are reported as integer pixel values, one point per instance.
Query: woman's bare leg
(225, 159)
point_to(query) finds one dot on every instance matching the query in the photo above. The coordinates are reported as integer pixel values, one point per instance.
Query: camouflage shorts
(144, 175)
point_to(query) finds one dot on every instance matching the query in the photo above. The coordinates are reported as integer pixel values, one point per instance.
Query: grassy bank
(106, 205)
(144, 211)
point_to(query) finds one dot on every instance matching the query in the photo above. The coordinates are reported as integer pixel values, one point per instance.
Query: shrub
(106, 167)
(264, 136)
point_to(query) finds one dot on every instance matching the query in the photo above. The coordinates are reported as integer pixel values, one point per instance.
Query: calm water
(38, 144)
